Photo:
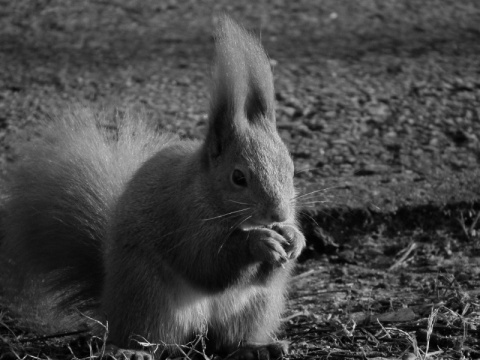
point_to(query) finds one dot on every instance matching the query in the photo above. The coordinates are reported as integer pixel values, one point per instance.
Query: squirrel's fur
(167, 238)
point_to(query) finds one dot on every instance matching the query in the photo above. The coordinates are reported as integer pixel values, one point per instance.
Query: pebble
(409, 356)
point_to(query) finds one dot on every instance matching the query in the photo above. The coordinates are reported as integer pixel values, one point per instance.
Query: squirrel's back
(81, 162)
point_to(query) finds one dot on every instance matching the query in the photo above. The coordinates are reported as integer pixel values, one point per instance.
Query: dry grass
(349, 321)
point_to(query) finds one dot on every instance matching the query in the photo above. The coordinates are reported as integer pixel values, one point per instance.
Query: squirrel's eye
(238, 178)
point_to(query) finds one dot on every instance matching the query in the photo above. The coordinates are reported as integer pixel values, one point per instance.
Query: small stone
(409, 356)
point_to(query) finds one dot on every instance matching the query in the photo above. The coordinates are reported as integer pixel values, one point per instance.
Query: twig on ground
(431, 322)
(399, 262)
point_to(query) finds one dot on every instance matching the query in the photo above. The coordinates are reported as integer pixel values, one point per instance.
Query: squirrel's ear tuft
(243, 91)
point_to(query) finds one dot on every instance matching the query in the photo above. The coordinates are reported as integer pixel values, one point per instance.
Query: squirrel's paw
(295, 239)
(271, 351)
(112, 351)
(268, 245)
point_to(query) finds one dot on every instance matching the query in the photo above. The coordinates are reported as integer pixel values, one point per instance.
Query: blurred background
(364, 88)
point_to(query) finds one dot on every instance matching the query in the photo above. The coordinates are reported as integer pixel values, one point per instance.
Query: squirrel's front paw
(268, 245)
(295, 239)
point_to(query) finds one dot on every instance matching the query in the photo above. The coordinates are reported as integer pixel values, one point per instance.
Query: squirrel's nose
(279, 215)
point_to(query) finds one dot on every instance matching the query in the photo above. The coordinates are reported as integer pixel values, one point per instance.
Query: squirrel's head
(249, 168)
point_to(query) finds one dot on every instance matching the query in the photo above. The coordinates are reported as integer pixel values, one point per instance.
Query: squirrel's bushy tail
(61, 193)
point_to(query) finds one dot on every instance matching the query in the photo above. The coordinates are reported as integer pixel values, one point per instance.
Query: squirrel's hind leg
(248, 330)
(271, 351)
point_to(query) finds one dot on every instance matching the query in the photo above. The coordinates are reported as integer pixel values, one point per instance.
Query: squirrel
(167, 238)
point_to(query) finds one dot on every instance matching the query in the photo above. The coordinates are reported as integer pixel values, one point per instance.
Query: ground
(379, 103)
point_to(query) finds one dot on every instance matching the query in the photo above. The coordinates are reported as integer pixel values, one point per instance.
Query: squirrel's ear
(243, 92)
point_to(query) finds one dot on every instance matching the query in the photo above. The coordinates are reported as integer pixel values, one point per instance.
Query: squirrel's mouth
(255, 223)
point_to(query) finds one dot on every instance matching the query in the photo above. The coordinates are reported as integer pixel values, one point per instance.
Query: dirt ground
(379, 103)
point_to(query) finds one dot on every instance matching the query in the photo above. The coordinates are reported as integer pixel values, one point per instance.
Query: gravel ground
(368, 93)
